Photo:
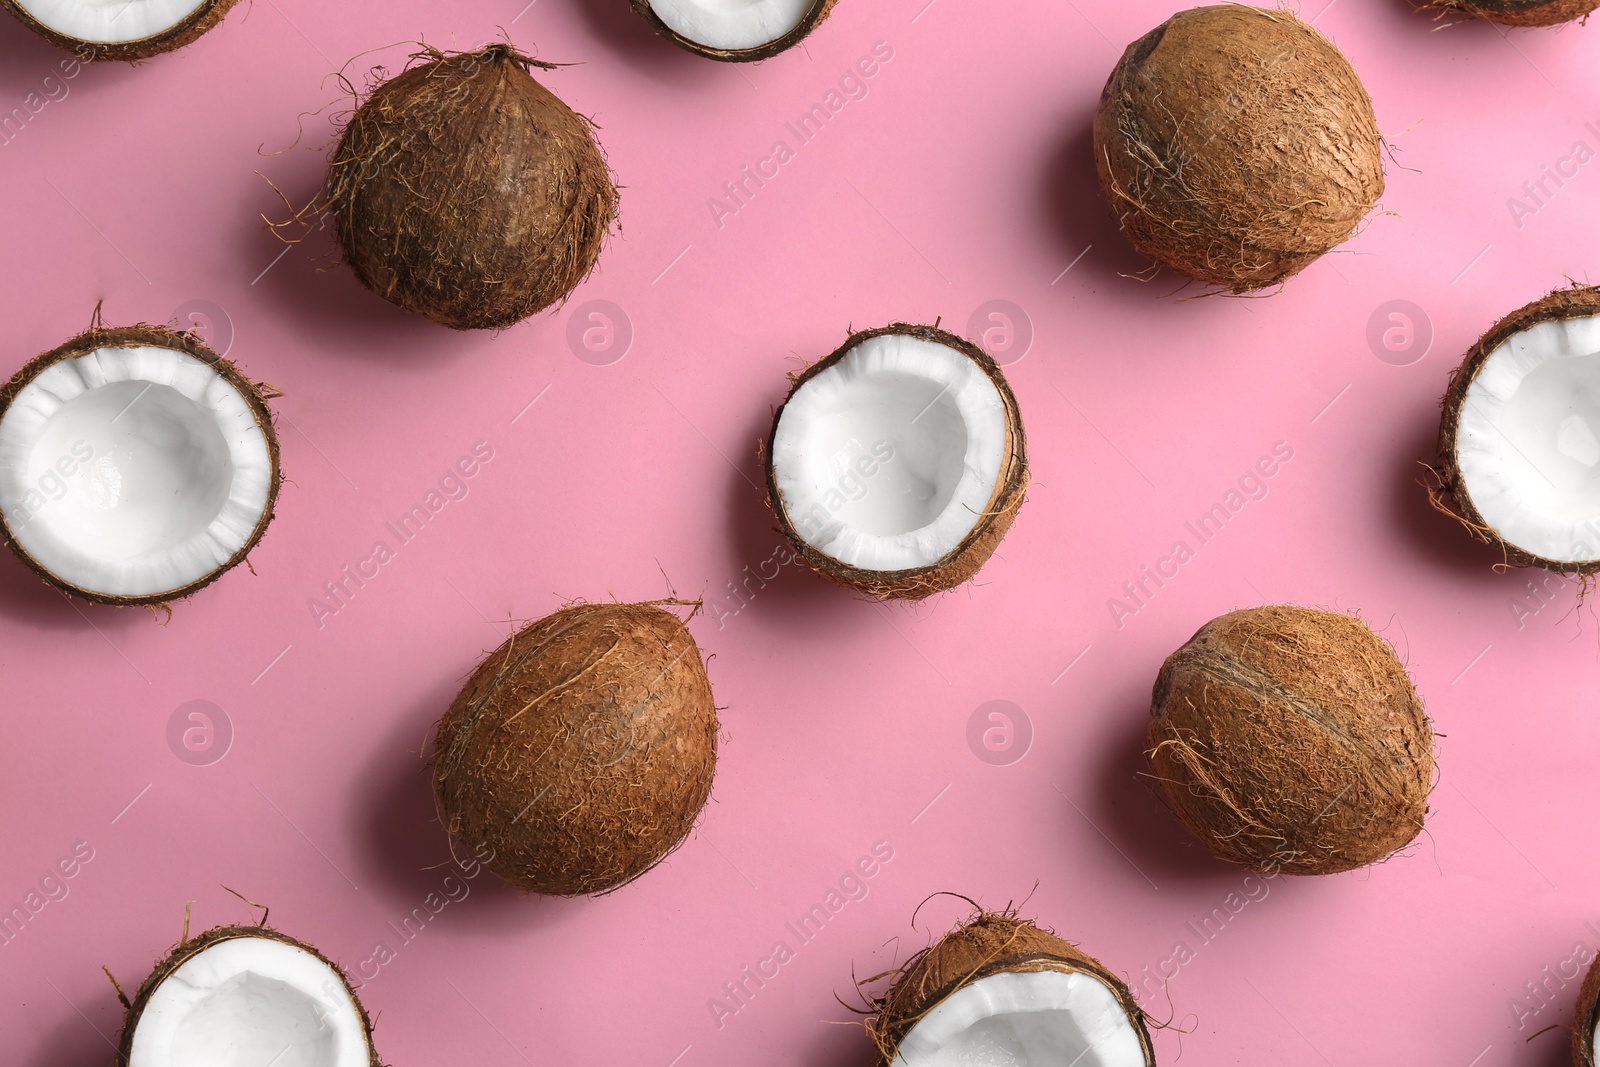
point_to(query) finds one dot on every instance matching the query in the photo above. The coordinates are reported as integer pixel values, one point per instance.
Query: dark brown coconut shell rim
(190, 947)
(186, 32)
(952, 569)
(819, 11)
(1585, 1017)
(1522, 12)
(1448, 491)
(143, 334)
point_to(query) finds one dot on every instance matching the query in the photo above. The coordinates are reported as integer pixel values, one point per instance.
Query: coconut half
(136, 465)
(1586, 1019)
(1522, 12)
(999, 990)
(119, 29)
(896, 464)
(246, 996)
(1519, 441)
(735, 31)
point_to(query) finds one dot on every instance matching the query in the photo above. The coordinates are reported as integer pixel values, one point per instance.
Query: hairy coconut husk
(1584, 1018)
(1236, 145)
(465, 191)
(1288, 739)
(204, 18)
(987, 943)
(255, 395)
(190, 947)
(1449, 492)
(582, 750)
(819, 11)
(1522, 12)
(962, 562)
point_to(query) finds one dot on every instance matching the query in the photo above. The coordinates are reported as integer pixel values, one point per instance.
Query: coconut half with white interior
(1519, 441)
(897, 463)
(136, 465)
(1000, 990)
(119, 29)
(735, 31)
(246, 996)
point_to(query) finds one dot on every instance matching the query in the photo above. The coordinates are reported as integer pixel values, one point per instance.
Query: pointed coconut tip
(203, 19)
(1531, 13)
(813, 18)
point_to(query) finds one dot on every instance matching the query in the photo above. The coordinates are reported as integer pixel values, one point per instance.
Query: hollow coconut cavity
(246, 996)
(465, 191)
(896, 464)
(119, 29)
(1291, 740)
(136, 465)
(1236, 145)
(1586, 1019)
(735, 31)
(1522, 12)
(1000, 990)
(582, 750)
(1519, 441)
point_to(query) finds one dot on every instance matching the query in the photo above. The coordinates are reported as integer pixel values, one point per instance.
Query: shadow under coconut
(27, 598)
(72, 1042)
(839, 1043)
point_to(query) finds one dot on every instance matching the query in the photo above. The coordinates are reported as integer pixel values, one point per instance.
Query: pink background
(963, 176)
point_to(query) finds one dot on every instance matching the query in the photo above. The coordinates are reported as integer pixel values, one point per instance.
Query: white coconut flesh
(110, 21)
(1025, 1019)
(732, 25)
(251, 1002)
(1528, 443)
(132, 472)
(889, 458)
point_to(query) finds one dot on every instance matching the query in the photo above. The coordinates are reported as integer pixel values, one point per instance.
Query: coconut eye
(124, 29)
(735, 30)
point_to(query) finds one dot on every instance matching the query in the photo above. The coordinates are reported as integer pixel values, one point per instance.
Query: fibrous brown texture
(1449, 492)
(1584, 1018)
(962, 562)
(1236, 145)
(186, 32)
(1522, 12)
(254, 394)
(582, 750)
(988, 943)
(464, 190)
(819, 11)
(1289, 739)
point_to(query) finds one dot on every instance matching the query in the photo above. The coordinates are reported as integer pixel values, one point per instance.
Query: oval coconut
(465, 191)
(1585, 1018)
(582, 750)
(1522, 12)
(1289, 739)
(1237, 145)
(204, 17)
(813, 18)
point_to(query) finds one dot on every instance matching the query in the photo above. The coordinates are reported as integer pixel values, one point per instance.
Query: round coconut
(1236, 145)
(1522, 12)
(184, 28)
(1451, 493)
(582, 750)
(987, 522)
(1585, 1018)
(988, 944)
(813, 17)
(465, 191)
(1288, 739)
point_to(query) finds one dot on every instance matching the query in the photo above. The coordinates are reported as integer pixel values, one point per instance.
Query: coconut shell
(962, 563)
(193, 946)
(1584, 1018)
(582, 750)
(988, 943)
(186, 32)
(97, 337)
(1236, 145)
(819, 11)
(1450, 494)
(1288, 739)
(465, 191)
(1522, 12)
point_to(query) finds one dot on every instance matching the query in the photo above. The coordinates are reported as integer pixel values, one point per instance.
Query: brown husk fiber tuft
(1449, 493)
(987, 943)
(819, 11)
(1236, 145)
(1289, 739)
(143, 334)
(185, 32)
(964, 561)
(1584, 1018)
(465, 191)
(1522, 12)
(582, 750)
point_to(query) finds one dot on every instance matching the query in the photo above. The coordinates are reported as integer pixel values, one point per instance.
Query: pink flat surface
(958, 174)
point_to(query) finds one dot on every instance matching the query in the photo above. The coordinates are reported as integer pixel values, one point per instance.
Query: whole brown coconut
(466, 191)
(1522, 12)
(819, 11)
(1585, 1018)
(1236, 145)
(582, 750)
(205, 16)
(1288, 739)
